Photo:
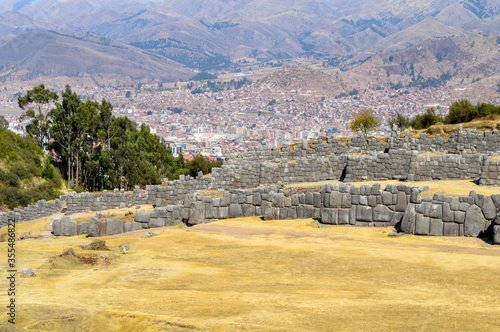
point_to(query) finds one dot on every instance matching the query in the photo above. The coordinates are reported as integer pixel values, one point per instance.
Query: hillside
(303, 78)
(436, 61)
(222, 35)
(25, 177)
(50, 54)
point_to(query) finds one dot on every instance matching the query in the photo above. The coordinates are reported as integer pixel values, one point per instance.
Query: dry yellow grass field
(249, 274)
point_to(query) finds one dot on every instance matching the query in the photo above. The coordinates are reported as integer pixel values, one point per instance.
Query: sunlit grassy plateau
(250, 274)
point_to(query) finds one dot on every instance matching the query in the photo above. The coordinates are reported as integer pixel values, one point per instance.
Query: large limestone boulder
(197, 213)
(68, 227)
(96, 227)
(142, 216)
(56, 227)
(475, 222)
(408, 221)
(114, 226)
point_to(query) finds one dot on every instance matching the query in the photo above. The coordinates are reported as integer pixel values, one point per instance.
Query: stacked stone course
(466, 155)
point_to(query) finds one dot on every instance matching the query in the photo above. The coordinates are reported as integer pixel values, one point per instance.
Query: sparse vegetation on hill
(461, 111)
(26, 175)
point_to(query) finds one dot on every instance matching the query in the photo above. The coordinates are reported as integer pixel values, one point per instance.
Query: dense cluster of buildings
(221, 123)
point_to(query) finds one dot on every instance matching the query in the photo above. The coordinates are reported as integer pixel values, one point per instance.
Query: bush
(426, 120)
(400, 121)
(464, 111)
(48, 170)
(9, 178)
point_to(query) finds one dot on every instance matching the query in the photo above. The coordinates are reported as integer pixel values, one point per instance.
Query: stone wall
(490, 173)
(40, 209)
(466, 155)
(400, 206)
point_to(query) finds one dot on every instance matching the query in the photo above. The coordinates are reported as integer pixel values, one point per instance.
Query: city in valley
(217, 124)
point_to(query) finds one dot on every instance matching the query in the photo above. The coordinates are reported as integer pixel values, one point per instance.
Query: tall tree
(364, 121)
(63, 126)
(39, 97)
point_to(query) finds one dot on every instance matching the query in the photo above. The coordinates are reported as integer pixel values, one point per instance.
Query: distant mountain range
(174, 37)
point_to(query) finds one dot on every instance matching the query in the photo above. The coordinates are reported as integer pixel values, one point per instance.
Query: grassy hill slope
(25, 177)
(49, 54)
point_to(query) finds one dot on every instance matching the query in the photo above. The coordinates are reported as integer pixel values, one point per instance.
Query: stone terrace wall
(460, 141)
(467, 157)
(343, 204)
(490, 174)
(40, 209)
(472, 215)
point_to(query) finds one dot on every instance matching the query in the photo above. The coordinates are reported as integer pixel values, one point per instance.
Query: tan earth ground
(249, 274)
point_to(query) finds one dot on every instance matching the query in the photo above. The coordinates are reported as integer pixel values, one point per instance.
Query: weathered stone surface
(344, 216)
(27, 272)
(196, 213)
(94, 227)
(308, 211)
(363, 213)
(84, 228)
(346, 200)
(436, 227)
(158, 213)
(450, 229)
(448, 215)
(127, 227)
(386, 198)
(157, 222)
(223, 212)
(408, 221)
(489, 209)
(209, 211)
(422, 225)
(225, 200)
(317, 200)
(326, 216)
(309, 198)
(335, 199)
(382, 213)
(68, 227)
(396, 218)
(142, 216)
(436, 211)
(496, 200)
(56, 227)
(114, 226)
(352, 215)
(402, 202)
(248, 210)
(474, 221)
(136, 226)
(235, 210)
(496, 234)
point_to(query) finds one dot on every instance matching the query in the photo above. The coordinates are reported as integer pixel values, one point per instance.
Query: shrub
(426, 120)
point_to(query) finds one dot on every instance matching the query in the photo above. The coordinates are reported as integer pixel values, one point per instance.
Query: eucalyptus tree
(39, 99)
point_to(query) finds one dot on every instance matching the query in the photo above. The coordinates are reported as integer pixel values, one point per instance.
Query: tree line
(95, 149)
(460, 111)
